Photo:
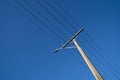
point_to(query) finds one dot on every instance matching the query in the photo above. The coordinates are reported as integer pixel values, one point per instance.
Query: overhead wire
(60, 15)
(31, 21)
(66, 13)
(54, 17)
(47, 27)
(58, 30)
(15, 8)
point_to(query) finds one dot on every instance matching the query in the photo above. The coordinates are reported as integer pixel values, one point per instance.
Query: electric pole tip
(56, 50)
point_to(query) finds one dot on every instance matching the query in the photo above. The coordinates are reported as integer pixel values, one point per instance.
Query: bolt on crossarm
(84, 56)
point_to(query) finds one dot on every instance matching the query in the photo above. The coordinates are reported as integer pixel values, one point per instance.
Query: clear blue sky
(27, 52)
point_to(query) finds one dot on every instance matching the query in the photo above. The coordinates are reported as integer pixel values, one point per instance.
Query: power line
(66, 13)
(53, 16)
(47, 21)
(15, 8)
(61, 15)
(47, 27)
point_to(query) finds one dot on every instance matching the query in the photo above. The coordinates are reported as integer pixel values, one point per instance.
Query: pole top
(67, 43)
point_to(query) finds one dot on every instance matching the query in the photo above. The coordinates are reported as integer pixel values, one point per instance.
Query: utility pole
(84, 56)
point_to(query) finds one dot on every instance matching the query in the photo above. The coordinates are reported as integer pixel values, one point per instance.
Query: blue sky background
(27, 52)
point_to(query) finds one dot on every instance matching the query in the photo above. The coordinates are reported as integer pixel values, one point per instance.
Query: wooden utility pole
(82, 53)
(88, 62)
